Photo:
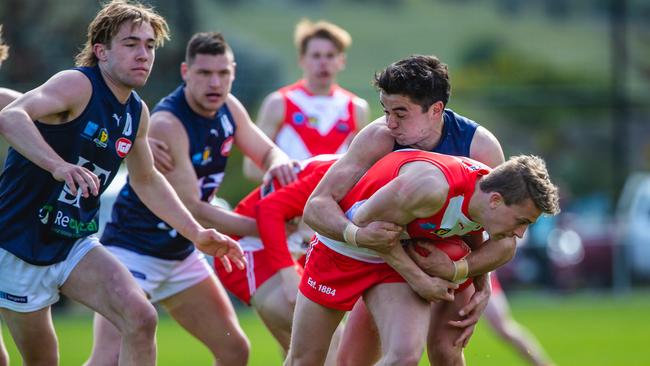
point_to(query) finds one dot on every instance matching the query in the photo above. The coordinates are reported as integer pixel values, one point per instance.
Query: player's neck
(317, 88)
(121, 91)
(478, 203)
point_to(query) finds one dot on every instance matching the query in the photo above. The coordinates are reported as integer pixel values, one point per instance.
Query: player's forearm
(21, 133)
(159, 197)
(225, 221)
(324, 215)
(251, 171)
(399, 260)
(490, 256)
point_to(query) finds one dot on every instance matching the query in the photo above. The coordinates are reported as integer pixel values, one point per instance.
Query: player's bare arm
(157, 194)
(259, 147)
(59, 100)
(405, 198)
(7, 96)
(167, 129)
(323, 213)
(268, 121)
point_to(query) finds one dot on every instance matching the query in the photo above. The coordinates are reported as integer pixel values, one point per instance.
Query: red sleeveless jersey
(452, 220)
(315, 124)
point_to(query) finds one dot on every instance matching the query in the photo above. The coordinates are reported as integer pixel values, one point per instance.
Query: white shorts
(26, 287)
(162, 278)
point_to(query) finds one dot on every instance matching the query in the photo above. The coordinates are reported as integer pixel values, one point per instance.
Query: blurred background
(566, 80)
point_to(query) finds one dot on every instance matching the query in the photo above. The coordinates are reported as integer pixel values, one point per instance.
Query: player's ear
(99, 49)
(184, 68)
(495, 199)
(437, 108)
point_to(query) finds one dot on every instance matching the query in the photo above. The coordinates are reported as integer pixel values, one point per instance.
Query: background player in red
(498, 315)
(270, 281)
(454, 197)
(314, 115)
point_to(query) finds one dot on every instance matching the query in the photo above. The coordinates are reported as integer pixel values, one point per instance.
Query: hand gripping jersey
(450, 221)
(315, 124)
(133, 226)
(39, 218)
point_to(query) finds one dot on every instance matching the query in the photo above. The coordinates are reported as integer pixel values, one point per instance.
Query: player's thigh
(402, 317)
(360, 339)
(103, 284)
(205, 311)
(313, 326)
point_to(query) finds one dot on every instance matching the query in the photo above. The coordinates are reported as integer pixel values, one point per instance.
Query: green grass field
(587, 329)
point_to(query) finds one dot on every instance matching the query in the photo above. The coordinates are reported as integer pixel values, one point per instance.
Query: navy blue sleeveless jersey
(39, 219)
(457, 135)
(133, 226)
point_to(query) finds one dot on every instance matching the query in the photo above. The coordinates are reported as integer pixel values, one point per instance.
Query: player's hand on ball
(221, 246)
(434, 289)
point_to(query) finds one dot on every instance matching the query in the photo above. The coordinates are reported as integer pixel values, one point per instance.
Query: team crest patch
(101, 139)
(90, 130)
(123, 146)
(441, 231)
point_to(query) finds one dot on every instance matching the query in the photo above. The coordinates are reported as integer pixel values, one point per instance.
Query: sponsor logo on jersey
(227, 146)
(102, 138)
(90, 130)
(123, 146)
(44, 213)
(427, 226)
(298, 118)
(71, 227)
(14, 298)
(342, 127)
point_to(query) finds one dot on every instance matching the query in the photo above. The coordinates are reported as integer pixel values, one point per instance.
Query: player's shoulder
(485, 148)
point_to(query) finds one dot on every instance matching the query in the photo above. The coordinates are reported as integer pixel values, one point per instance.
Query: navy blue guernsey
(456, 137)
(40, 219)
(133, 226)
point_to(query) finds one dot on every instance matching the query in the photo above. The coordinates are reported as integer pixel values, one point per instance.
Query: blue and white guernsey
(133, 226)
(40, 219)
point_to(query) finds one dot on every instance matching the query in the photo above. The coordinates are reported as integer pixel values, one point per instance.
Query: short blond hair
(306, 30)
(107, 23)
(522, 177)
(4, 49)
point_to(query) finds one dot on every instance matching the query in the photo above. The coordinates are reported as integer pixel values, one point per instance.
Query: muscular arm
(258, 147)
(277, 208)
(7, 96)
(168, 129)
(59, 100)
(419, 191)
(269, 118)
(322, 212)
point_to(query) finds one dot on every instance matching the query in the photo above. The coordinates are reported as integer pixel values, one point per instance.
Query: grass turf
(586, 329)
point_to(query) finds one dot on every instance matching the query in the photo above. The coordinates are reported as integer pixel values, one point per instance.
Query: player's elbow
(310, 214)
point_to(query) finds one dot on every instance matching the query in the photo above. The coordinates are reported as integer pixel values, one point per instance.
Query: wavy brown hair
(306, 30)
(107, 23)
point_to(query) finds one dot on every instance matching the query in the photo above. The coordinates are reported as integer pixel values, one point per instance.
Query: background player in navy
(414, 93)
(200, 117)
(68, 138)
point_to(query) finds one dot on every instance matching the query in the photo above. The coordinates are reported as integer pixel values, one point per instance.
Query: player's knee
(141, 318)
(236, 351)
